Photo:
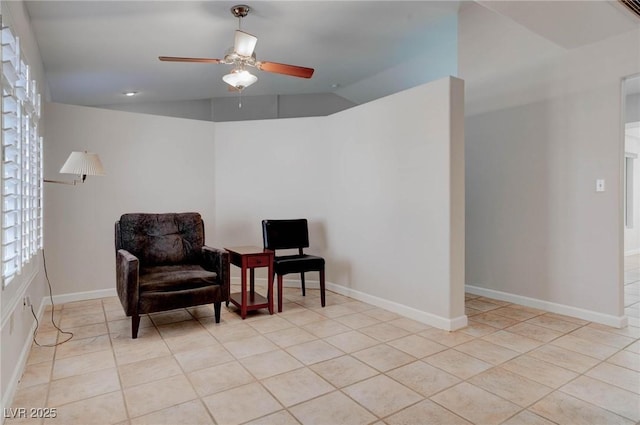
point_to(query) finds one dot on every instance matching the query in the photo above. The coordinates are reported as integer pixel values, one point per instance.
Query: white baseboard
(401, 309)
(81, 296)
(567, 310)
(14, 380)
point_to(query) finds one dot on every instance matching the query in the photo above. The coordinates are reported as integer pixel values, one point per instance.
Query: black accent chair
(163, 264)
(291, 234)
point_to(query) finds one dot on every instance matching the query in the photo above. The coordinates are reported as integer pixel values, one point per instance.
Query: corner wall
(152, 164)
(382, 185)
(538, 137)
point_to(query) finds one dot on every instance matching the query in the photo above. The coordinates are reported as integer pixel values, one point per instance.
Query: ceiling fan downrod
(240, 11)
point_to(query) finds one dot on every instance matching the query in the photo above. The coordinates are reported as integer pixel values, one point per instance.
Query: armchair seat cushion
(175, 278)
(297, 263)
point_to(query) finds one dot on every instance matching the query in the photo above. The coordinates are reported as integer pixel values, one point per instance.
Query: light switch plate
(600, 185)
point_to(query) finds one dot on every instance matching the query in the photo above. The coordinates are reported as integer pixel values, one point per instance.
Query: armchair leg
(302, 281)
(322, 296)
(217, 306)
(135, 324)
(279, 293)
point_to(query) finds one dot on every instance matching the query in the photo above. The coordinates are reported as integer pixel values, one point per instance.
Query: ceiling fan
(243, 55)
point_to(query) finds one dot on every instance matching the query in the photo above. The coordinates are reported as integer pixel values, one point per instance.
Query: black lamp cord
(35, 331)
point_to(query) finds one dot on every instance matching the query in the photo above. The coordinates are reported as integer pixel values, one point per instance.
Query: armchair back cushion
(162, 239)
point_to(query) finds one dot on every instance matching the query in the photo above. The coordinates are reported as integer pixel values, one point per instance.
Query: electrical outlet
(26, 302)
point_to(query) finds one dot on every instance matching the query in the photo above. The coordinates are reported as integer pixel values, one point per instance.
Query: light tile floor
(632, 288)
(347, 363)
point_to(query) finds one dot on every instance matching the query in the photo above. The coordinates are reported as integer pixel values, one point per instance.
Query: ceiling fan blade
(281, 68)
(177, 59)
(244, 43)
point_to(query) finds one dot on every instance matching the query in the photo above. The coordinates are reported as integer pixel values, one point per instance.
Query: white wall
(538, 137)
(153, 164)
(271, 169)
(16, 321)
(363, 178)
(397, 199)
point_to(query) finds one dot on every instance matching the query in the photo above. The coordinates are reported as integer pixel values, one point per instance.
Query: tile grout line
(115, 362)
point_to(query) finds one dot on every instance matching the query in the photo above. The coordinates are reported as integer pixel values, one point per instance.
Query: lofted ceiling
(94, 50)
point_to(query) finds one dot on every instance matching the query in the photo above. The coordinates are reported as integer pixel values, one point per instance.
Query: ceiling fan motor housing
(240, 10)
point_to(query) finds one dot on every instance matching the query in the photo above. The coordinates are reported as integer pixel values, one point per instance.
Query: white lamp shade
(240, 79)
(83, 164)
(244, 43)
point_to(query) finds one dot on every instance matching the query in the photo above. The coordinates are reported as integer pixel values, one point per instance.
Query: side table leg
(252, 286)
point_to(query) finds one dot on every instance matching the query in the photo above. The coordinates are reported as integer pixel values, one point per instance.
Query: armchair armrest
(127, 271)
(217, 260)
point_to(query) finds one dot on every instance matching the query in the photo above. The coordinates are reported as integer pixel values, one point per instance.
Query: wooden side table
(251, 257)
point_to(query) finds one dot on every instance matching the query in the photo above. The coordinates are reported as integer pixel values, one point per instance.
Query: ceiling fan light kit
(242, 55)
(240, 79)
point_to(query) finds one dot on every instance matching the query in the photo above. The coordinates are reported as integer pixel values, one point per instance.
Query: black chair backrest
(285, 234)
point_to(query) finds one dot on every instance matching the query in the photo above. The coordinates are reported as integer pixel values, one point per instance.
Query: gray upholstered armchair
(162, 264)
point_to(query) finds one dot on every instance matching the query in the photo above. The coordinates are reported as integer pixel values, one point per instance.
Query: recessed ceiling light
(130, 93)
(335, 85)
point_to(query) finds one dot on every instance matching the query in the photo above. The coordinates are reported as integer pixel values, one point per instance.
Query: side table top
(248, 250)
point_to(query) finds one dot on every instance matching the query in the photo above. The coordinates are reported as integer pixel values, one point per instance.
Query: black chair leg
(322, 296)
(135, 324)
(217, 306)
(279, 293)
(302, 281)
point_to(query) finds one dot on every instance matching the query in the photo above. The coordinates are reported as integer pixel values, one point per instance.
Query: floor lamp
(82, 164)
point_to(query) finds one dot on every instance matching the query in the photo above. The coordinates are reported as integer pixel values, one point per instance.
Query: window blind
(22, 216)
